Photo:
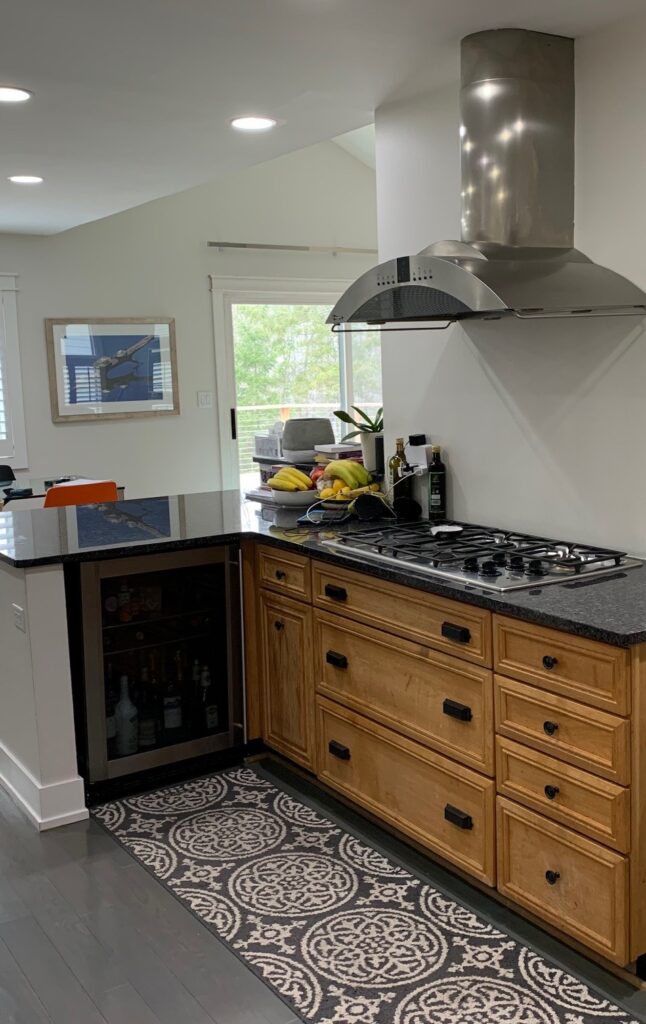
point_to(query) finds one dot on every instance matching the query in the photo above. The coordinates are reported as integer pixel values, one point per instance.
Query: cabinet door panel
(288, 677)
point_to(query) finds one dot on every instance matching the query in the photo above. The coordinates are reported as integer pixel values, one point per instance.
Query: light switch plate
(19, 620)
(205, 399)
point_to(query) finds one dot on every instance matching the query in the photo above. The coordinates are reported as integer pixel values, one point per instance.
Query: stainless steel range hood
(516, 256)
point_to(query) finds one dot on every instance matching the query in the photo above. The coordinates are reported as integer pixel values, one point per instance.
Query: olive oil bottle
(436, 486)
(398, 482)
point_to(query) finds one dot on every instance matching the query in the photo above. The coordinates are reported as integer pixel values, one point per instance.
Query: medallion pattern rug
(342, 934)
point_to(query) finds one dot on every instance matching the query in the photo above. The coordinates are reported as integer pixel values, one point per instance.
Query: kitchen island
(513, 753)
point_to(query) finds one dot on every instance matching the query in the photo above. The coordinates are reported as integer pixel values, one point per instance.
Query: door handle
(551, 792)
(455, 710)
(338, 750)
(458, 817)
(459, 634)
(336, 659)
(280, 574)
(552, 877)
(278, 625)
(337, 593)
(550, 728)
(550, 662)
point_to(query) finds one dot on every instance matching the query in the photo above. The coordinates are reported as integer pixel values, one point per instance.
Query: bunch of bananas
(288, 478)
(353, 474)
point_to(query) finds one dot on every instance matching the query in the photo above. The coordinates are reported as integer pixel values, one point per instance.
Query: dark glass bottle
(436, 486)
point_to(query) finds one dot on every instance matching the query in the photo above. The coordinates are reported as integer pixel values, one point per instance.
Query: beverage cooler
(162, 678)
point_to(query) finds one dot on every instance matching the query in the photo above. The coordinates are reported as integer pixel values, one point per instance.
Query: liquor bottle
(126, 722)
(110, 719)
(172, 702)
(123, 602)
(400, 485)
(436, 485)
(147, 714)
(210, 712)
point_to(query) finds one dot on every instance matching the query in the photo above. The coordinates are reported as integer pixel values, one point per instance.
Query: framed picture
(104, 368)
(123, 523)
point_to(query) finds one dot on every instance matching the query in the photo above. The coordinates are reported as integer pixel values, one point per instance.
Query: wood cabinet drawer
(449, 626)
(442, 805)
(586, 670)
(580, 735)
(593, 806)
(577, 885)
(285, 572)
(431, 697)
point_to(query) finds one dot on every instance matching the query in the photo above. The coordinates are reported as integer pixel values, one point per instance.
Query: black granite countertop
(610, 608)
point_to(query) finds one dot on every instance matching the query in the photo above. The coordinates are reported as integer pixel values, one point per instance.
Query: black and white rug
(342, 934)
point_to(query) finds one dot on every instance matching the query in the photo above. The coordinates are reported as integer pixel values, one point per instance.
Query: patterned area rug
(343, 935)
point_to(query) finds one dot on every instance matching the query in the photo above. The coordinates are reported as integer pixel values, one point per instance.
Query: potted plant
(367, 428)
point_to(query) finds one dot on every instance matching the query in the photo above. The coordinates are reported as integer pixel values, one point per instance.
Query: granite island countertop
(608, 608)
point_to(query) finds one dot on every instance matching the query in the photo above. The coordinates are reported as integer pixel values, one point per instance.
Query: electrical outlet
(19, 620)
(205, 399)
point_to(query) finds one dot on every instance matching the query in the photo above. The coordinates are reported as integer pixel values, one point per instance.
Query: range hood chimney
(516, 255)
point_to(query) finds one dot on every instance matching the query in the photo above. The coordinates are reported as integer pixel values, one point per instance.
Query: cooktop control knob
(535, 567)
(517, 563)
(499, 558)
(488, 569)
(470, 564)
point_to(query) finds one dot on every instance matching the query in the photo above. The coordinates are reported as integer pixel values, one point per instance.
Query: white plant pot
(368, 450)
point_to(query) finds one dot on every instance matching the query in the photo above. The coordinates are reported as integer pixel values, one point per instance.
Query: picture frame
(108, 368)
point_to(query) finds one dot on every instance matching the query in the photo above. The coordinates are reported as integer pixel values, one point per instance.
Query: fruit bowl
(303, 498)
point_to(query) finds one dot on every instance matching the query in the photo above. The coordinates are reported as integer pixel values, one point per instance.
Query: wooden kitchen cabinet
(286, 633)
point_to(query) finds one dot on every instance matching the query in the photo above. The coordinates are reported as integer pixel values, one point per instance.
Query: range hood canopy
(516, 256)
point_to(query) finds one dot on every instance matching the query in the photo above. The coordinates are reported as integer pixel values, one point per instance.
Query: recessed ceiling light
(26, 179)
(11, 94)
(253, 123)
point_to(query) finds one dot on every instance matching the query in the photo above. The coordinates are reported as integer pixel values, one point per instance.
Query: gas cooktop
(485, 557)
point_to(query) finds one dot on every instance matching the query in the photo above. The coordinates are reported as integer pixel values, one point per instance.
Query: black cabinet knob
(339, 750)
(459, 634)
(336, 593)
(551, 792)
(550, 727)
(279, 625)
(336, 659)
(280, 574)
(549, 661)
(552, 877)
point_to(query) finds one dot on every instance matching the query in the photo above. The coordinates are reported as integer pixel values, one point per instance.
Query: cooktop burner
(488, 558)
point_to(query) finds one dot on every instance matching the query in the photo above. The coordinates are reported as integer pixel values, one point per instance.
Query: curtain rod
(291, 248)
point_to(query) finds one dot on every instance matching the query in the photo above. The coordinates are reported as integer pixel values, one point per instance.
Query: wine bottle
(123, 602)
(172, 702)
(110, 706)
(126, 722)
(147, 714)
(436, 485)
(210, 712)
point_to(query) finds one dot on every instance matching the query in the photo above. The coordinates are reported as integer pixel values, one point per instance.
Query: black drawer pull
(552, 877)
(336, 659)
(338, 593)
(338, 750)
(279, 625)
(455, 710)
(457, 817)
(550, 662)
(550, 728)
(551, 792)
(459, 634)
(280, 574)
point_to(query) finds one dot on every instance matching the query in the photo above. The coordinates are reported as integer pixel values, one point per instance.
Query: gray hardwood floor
(87, 936)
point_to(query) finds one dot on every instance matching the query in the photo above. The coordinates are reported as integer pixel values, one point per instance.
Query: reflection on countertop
(611, 608)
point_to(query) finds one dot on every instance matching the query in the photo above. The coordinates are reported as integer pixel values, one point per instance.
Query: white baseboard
(46, 806)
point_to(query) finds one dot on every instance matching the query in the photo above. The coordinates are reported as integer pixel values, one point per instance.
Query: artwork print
(111, 368)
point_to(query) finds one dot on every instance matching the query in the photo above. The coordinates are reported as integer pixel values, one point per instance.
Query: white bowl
(304, 498)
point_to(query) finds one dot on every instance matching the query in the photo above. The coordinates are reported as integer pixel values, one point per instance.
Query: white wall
(544, 423)
(153, 260)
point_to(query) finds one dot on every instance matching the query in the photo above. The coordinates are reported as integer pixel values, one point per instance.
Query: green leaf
(345, 417)
(363, 414)
(352, 434)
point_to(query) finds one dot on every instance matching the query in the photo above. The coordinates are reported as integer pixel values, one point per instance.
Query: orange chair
(81, 494)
